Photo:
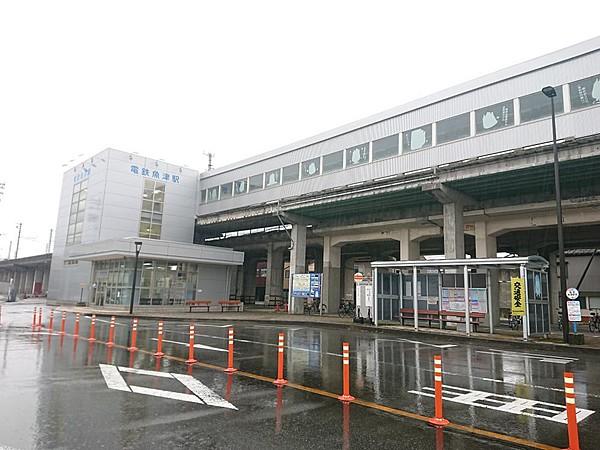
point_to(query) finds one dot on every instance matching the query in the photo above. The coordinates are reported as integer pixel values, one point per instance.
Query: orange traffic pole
(76, 332)
(280, 381)
(230, 368)
(438, 420)
(111, 332)
(63, 322)
(39, 325)
(346, 397)
(51, 321)
(132, 347)
(191, 359)
(92, 337)
(159, 353)
(571, 411)
(34, 317)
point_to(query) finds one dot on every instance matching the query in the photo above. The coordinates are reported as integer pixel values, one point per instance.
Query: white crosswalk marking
(209, 397)
(113, 378)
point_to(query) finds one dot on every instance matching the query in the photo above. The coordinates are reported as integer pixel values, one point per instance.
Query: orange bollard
(51, 321)
(346, 397)
(76, 332)
(191, 359)
(438, 420)
(39, 325)
(34, 317)
(111, 332)
(571, 411)
(159, 353)
(63, 322)
(280, 381)
(92, 337)
(230, 368)
(132, 347)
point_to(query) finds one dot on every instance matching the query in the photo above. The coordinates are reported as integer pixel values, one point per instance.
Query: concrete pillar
(297, 264)
(249, 278)
(553, 287)
(410, 250)
(45, 279)
(454, 231)
(274, 281)
(33, 281)
(485, 245)
(332, 262)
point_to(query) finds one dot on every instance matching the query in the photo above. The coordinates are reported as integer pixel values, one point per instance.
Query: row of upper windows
(582, 93)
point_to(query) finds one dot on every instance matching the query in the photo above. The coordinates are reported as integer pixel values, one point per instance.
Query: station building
(466, 172)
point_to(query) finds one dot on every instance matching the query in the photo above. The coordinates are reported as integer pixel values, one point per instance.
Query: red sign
(358, 277)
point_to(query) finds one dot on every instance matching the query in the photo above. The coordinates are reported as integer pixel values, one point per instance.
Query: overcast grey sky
(172, 80)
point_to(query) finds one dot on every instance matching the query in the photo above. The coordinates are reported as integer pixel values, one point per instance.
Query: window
(226, 190)
(453, 128)
(241, 186)
(213, 194)
(273, 177)
(537, 105)
(357, 155)
(494, 117)
(152, 208)
(386, 147)
(203, 196)
(416, 139)
(256, 182)
(311, 168)
(333, 161)
(291, 173)
(76, 215)
(585, 92)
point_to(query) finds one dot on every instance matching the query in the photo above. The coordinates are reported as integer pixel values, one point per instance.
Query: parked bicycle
(594, 323)
(346, 309)
(312, 306)
(514, 322)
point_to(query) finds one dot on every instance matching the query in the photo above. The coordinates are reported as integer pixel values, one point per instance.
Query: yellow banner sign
(517, 296)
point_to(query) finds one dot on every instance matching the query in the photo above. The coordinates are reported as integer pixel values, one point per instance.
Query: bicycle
(594, 321)
(346, 309)
(514, 322)
(313, 307)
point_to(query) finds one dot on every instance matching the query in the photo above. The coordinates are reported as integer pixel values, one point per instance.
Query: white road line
(209, 397)
(505, 403)
(113, 378)
(206, 347)
(166, 394)
(145, 372)
(417, 342)
(541, 358)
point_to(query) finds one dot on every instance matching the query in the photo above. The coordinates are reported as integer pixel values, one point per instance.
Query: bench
(230, 304)
(423, 314)
(198, 304)
(451, 316)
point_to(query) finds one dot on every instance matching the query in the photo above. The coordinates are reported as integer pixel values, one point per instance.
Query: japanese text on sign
(156, 174)
(517, 296)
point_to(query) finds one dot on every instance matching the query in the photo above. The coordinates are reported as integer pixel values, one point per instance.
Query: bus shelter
(433, 292)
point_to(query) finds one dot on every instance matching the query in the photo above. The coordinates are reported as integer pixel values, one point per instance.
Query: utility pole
(210, 159)
(19, 226)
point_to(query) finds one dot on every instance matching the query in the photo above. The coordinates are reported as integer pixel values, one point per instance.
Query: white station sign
(574, 311)
(572, 294)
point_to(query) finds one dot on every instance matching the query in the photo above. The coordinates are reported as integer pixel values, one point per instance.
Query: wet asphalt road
(53, 393)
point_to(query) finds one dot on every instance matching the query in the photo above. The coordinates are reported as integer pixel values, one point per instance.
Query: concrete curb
(394, 330)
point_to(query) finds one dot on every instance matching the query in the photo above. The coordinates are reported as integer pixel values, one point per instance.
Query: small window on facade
(386, 147)
(291, 173)
(273, 178)
(357, 155)
(494, 117)
(152, 207)
(453, 128)
(333, 161)
(203, 196)
(537, 105)
(213, 194)
(226, 190)
(585, 92)
(416, 138)
(311, 168)
(256, 182)
(241, 186)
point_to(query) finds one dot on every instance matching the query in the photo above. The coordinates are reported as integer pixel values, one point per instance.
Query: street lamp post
(550, 92)
(138, 247)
